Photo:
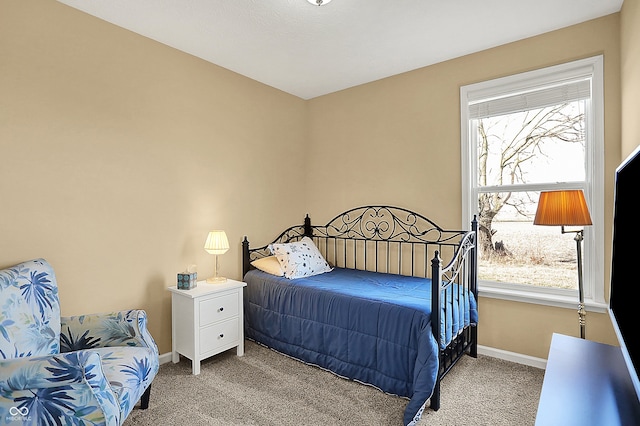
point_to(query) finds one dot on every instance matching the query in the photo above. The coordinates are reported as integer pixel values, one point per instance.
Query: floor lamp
(567, 208)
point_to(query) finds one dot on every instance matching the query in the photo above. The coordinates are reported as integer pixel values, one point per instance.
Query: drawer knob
(221, 336)
(221, 309)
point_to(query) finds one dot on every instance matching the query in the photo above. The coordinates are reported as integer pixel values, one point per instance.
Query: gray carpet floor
(265, 388)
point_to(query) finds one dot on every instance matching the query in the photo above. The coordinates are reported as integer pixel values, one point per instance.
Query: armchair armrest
(58, 388)
(123, 328)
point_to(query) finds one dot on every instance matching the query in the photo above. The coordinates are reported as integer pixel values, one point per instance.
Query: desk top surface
(586, 383)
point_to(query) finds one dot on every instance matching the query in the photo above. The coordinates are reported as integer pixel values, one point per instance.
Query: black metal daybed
(367, 313)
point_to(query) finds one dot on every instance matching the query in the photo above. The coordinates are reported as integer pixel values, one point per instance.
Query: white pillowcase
(300, 259)
(270, 265)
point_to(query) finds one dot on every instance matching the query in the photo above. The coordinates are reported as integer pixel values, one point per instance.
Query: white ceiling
(310, 51)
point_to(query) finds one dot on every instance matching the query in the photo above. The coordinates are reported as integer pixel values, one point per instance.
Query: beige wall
(630, 75)
(397, 141)
(118, 155)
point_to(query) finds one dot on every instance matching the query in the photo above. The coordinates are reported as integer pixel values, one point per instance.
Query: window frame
(593, 187)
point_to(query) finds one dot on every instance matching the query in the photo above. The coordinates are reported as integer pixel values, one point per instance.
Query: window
(537, 131)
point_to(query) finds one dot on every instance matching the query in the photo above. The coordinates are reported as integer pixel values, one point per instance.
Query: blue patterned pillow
(300, 259)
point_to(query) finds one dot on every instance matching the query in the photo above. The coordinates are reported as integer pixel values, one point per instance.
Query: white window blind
(534, 99)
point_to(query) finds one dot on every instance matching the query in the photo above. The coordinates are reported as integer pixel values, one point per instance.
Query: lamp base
(216, 280)
(582, 313)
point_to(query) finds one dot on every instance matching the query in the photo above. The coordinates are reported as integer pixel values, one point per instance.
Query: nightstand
(206, 320)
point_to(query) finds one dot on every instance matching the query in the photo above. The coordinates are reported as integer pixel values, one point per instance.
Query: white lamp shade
(217, 243)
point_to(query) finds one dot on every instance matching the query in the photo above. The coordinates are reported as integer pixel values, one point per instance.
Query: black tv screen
(625, 285)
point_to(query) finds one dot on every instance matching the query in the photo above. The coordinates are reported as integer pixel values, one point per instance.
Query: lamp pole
(582, 313)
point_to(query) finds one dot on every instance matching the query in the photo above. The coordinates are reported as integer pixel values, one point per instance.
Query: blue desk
(586, 383)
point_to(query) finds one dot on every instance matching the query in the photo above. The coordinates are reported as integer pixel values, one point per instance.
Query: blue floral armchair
(82, 370)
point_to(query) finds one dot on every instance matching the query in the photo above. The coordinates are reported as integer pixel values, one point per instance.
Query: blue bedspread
(366, 326)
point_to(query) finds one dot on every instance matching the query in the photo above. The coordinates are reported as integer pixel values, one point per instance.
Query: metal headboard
(377, 238)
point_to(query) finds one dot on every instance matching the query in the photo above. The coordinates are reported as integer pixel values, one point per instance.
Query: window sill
(540, 298)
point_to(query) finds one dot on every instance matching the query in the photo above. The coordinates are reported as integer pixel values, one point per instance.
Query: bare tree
(505, 147)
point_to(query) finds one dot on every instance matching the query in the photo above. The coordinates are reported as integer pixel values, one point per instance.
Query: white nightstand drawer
(218, 308)
(218, 335)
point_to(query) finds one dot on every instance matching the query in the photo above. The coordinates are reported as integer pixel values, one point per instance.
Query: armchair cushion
(124, 328)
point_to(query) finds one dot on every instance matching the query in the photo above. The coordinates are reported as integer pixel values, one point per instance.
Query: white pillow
(300, 259)
(270, 265)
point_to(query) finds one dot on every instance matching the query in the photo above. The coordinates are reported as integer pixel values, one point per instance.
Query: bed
(356, 299)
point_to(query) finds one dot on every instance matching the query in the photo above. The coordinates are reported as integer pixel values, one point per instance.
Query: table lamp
(567, 208)
(216, 244)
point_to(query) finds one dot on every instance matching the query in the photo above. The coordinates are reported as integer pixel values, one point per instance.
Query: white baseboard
(513, 357)
(482, 350)
(165, 358)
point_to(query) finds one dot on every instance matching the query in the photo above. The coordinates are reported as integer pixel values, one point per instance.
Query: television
(625, 284)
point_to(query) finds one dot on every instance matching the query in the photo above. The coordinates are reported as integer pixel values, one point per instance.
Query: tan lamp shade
(217, 243)
(562, 208)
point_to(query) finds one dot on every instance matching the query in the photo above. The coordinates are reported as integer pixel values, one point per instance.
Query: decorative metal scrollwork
(452, 270)
(294, 233)
(384, 223)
